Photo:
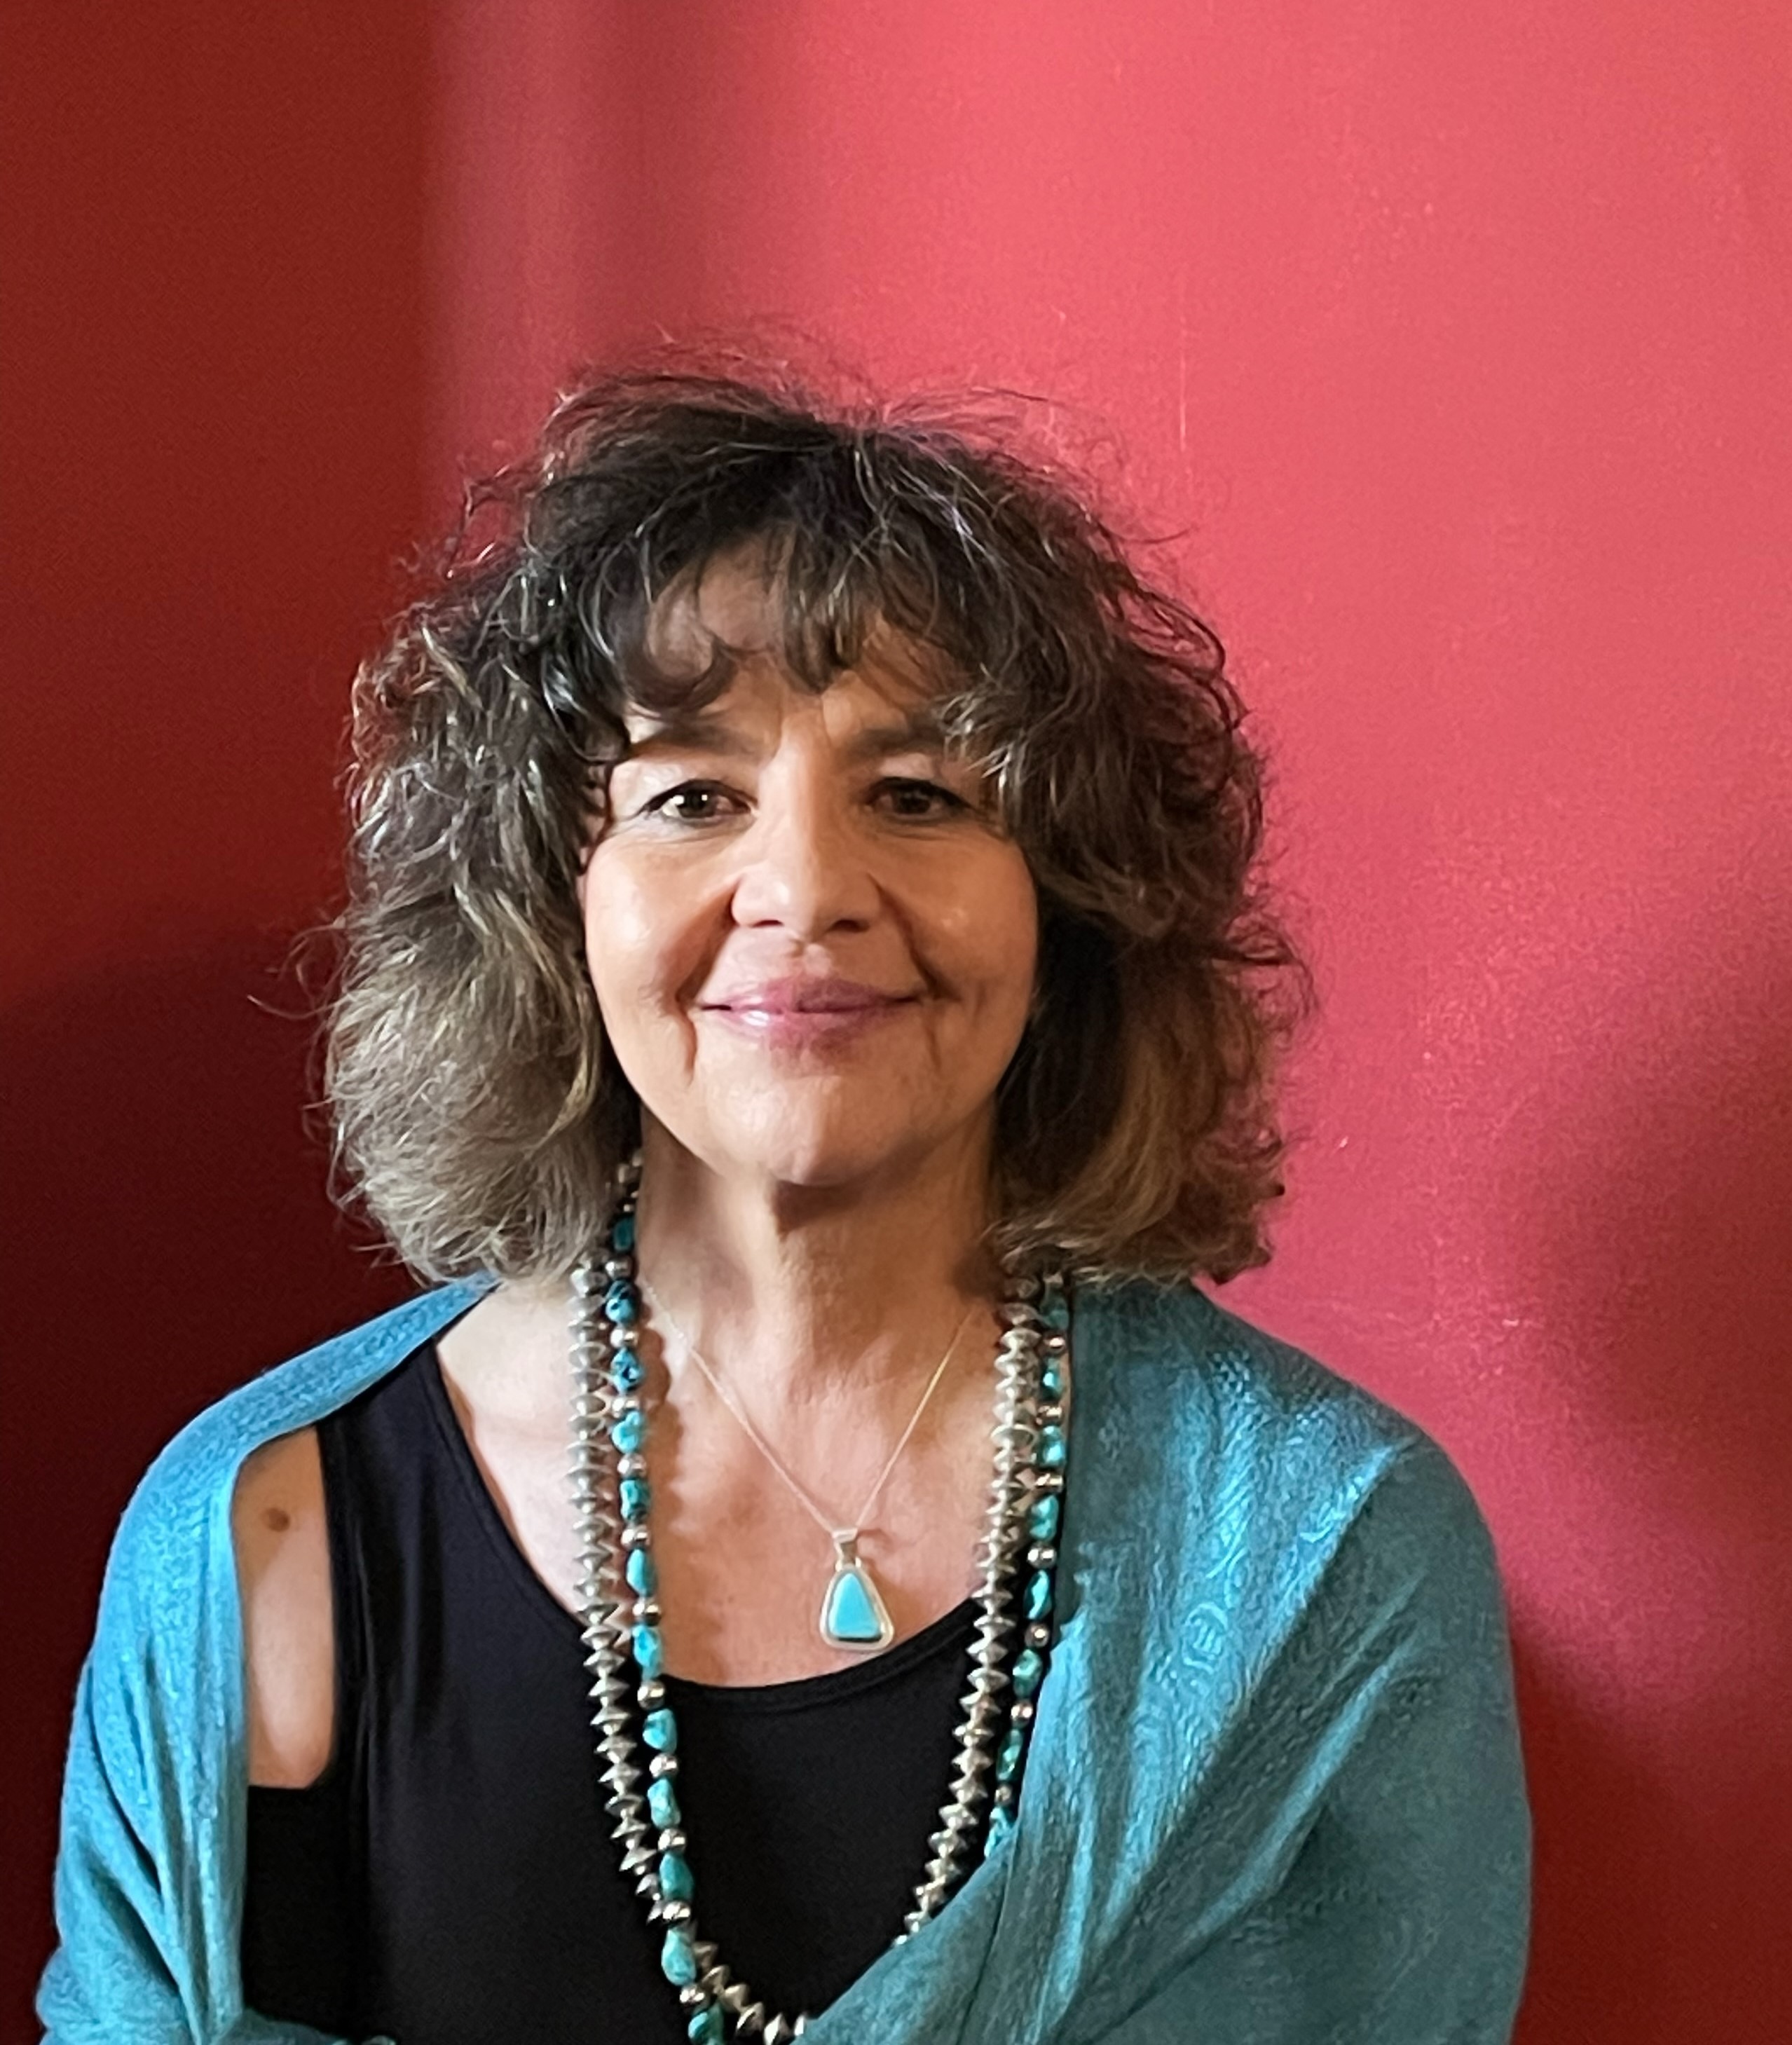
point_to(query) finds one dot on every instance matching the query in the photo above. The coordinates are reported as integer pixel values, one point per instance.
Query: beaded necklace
(621, 1613)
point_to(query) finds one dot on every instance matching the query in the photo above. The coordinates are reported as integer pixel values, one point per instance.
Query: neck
(797, 1291)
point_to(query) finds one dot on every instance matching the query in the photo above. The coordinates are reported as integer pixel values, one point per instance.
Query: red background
(1453, 345)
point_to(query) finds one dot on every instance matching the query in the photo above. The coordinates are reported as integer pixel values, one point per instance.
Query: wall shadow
(166, 1200)
(1662, 1235)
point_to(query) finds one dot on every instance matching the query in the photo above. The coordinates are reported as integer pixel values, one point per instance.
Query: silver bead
(607, 1610)
(650, 1693)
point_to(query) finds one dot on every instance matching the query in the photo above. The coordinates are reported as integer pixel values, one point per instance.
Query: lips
(803, 1009)
(797, 996)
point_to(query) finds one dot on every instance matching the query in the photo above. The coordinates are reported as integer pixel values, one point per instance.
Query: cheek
(639, 956)
(996, 938)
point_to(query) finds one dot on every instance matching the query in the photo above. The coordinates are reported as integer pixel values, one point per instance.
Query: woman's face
(812, 946)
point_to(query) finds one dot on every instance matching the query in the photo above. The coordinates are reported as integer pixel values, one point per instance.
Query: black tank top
(451, 1878)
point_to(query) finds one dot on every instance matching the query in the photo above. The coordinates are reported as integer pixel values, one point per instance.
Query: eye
(917, 799)
(693, 803)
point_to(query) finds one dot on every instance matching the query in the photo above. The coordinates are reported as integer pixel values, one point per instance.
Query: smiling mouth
(799, 1011)
(809, 997)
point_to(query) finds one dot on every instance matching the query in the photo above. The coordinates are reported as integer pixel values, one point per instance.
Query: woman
(807, 1002)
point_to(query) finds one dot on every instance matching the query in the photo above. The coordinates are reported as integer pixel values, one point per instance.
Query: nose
(805, 868)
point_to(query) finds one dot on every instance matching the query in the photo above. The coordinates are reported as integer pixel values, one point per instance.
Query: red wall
(1454, 349)
(214, 301)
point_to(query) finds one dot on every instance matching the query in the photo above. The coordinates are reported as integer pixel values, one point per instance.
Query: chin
(821, 1157)
(821, 1167)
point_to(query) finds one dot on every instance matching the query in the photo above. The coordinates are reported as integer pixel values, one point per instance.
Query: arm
(149, 1877)
(1402, 1917)
(147, 1886)
(114, 1974)
(282, 1544)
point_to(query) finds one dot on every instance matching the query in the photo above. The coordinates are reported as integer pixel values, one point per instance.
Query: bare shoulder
(281, 1542)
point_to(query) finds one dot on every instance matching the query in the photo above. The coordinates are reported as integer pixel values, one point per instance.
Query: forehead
(864, 711)
(732, 602)
(722, 630)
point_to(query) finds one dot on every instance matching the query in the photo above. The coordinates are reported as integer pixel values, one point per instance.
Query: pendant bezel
(848, 1567)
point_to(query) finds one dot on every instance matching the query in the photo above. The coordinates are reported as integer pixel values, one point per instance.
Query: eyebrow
(918, 732)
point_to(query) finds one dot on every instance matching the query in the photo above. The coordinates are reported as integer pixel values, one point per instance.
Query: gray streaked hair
(478, 1112)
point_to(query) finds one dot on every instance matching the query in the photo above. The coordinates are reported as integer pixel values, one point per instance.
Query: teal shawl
(1274, 1794)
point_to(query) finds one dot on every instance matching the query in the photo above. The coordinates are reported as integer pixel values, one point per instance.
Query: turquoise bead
(643, 1578)
(622, 1234)
(627, 1373)
(1029, 1667)
(1039, 1595)
(619, 1303)
(629, 1432)
(649, 1653)
(1001, 1823)
(662, 1803)
(678, 1958)
(1007, 1761)
(1051, 1381)
(659, 1732)
(1042, 1522)
(675, 1877)
(1054, 1310)
(707, 2026)
(636, 1495)
(1051, 1450)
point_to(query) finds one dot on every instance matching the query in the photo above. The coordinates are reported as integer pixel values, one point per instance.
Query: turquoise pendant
(852, 1614)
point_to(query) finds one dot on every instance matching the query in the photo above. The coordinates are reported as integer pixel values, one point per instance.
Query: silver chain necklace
(852, 1614)
(620, 1613)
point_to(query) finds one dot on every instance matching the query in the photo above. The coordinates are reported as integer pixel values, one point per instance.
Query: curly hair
(477, 1112)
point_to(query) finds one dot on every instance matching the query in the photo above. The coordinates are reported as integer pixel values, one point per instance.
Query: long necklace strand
(621, 1613)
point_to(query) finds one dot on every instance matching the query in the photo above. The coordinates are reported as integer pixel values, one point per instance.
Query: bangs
(872, 549)
(817, 611)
